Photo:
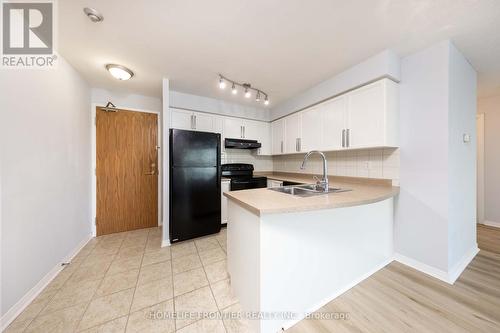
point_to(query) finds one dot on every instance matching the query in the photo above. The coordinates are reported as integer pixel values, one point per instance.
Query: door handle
(348, 138)
(153, 170)
(343, 138)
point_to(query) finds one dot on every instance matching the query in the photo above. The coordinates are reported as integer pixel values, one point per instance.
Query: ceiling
(281, 47)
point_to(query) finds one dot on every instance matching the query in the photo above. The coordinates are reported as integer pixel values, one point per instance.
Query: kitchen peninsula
(289, 255)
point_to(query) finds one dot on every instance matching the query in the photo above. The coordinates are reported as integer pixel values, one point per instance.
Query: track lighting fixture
(223, 81)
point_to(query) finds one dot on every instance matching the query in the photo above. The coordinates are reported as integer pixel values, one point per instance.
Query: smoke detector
(93, 14)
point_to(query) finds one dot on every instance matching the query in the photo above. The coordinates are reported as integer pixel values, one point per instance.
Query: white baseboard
(330, 298)
(17, 308)
(448, 277)
(491, 223)
(424, 268)
(462, 264)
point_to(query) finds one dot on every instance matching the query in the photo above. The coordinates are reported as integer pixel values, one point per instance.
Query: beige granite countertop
(263, 201)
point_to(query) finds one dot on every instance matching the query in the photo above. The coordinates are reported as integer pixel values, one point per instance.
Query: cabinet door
(251, 129)
(334, 122)
(366, 116)
(223, 210)
(277, 135)
(203, 122)
(181, 119)
(264, 137)
(233, 128)
(311, 129)
(292, 133)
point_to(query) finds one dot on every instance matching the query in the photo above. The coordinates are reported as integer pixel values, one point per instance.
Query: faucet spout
(323, 183)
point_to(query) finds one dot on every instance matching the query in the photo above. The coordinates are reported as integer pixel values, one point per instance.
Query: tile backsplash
(260, 163)
(367, 163)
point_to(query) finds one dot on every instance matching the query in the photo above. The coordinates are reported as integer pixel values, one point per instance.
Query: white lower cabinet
(223, 209)
(274, 183)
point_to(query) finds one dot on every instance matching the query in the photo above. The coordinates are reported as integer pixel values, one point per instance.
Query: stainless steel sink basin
(306, 190)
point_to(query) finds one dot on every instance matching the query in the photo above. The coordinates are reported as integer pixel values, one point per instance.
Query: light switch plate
(466, 138)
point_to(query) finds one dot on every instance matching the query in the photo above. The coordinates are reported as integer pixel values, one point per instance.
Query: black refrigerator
(195, 197)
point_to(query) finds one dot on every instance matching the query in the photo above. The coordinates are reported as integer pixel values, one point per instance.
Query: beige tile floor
(126, 282)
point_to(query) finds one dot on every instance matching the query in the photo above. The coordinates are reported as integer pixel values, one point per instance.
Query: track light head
(234, 91)
(222, 83)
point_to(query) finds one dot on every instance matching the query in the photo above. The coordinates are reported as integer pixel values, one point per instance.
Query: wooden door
(127, 171)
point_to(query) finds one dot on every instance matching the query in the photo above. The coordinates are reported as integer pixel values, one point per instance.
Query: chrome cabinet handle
(281, 146)
(300, 144)
(297, 144)
(194, 122)
(343, 138)
(348, 139)
(243, 132)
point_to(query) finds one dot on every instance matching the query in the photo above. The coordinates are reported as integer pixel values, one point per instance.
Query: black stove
(241, 176)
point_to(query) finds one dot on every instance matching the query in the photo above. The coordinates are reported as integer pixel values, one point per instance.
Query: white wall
(462, 157)
(126, 100)
(45, 162)
(435, 214)
(217, 106)
(491, 109)
(422, 208)
(384, 64)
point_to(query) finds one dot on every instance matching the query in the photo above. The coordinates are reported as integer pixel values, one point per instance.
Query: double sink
(306, 190)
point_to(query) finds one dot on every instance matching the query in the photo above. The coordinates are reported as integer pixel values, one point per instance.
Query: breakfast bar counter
(289, 255)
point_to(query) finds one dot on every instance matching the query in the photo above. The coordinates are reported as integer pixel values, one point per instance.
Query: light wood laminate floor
(401, 299)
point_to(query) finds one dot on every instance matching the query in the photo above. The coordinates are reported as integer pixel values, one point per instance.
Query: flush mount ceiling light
(93, 14)
(119, 72)
(247, 87)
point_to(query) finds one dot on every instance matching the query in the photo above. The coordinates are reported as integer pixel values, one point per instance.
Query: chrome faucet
(323, 183)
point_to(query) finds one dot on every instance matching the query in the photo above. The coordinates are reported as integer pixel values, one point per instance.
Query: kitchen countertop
(263, 201)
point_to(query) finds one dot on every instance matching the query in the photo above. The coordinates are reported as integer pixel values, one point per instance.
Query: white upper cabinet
(194, 121)
(181, 119)
(292, 133)
(334, 122)
(233, 128)
(237, 128)
(363, 118)
(311, 129)
(278, 136)
(373, 115)
(204, 122)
